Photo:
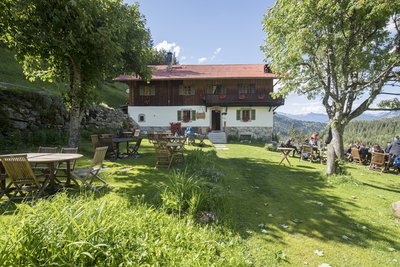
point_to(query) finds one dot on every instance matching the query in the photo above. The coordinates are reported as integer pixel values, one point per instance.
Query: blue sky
(215, 32)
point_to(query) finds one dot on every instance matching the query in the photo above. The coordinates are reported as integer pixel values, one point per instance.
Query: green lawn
(283, 215)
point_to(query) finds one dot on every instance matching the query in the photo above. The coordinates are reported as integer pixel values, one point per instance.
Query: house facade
(234, 99)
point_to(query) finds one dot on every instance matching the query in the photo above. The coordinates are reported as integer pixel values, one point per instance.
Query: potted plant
(222, 97)
(261, 97)
(242, 96)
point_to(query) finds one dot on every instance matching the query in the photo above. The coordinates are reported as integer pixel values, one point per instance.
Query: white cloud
(170, 47)
(201, 60)
(215, 53)
(183, 58)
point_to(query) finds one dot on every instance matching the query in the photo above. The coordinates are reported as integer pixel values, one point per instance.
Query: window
(186, 90)
(186, 115)
(246, 88)
(245, 115)
(217, 89)
(141, 118)
(147, 90)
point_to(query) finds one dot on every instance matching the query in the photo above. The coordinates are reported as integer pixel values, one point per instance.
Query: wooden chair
(378, 161)
(61, 168)
(22, 177)
(89, 175)
(305, 149)
(179, 153)
(95, 140)
(136, 133)
(43, 168)
(133, 149)
(355, 153)
(106, 140)
(164, 157)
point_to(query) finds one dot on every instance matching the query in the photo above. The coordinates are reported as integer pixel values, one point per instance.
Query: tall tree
(82, 42)
(340, 51)
(159, 57)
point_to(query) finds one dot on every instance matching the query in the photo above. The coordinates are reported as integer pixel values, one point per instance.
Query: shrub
(271, 147)
(85, 231)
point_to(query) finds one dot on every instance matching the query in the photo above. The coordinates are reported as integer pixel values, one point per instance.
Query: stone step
(217, 137)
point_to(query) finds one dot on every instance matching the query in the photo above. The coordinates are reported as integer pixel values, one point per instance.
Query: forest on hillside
(368, 132)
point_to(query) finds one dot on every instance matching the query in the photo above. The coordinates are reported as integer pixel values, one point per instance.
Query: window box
(222, 97)
(261, 97)
(241, 97)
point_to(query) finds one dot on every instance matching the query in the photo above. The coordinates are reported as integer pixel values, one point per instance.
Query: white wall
(161, 116)
(264, 117)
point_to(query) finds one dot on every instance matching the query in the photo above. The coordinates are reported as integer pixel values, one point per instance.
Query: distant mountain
(313, 117)
(282, 125)
(319, 117)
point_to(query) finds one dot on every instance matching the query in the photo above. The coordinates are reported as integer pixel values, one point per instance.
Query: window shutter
(179, 115)
(181, 89)
(253, 114)
(238, 114)
(193, 115)
(141, 90)
(153, 90)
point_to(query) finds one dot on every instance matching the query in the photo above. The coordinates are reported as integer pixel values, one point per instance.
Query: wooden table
(118, 140)
(285, 153)
(175, 139)
(50, 159)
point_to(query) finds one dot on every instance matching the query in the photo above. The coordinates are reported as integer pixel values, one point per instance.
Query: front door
(216, 120)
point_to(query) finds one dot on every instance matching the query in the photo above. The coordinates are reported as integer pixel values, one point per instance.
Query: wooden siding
(167, 92)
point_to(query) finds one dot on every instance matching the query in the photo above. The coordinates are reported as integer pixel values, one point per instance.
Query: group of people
(392, 149)
(313, 142)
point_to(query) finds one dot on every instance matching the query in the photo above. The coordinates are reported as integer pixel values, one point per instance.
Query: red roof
(190, 72)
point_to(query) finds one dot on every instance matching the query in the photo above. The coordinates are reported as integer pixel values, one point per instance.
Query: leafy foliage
(159, 57)
(82, 42)
(111, 232)
(339, 51)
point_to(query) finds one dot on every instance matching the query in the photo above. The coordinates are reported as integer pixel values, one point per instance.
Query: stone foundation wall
(261, 133)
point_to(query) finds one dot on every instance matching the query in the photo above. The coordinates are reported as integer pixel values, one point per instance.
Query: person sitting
(190, 134)
(376, 148)
(388, 147)
(395, 147)
(290, 143)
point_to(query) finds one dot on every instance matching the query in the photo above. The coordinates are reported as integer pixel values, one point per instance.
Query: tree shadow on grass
(264, 195)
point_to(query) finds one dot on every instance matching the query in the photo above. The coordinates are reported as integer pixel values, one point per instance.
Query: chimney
(267, 69)
(169, 61)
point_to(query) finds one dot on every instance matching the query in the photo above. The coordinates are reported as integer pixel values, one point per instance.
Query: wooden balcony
(235, 100)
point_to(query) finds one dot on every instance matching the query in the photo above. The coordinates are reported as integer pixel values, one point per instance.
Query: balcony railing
(243, 100)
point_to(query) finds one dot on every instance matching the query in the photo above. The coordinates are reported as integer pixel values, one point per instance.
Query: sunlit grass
(284, 215)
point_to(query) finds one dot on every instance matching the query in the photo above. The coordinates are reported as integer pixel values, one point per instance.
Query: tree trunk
(75, 111)
(335, 150)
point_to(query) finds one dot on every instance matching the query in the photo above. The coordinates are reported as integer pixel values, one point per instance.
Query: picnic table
(118, 140)
(50, 159)
(285, 151)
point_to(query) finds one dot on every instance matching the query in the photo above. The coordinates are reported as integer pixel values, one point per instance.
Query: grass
(12, 78)
(272, 215)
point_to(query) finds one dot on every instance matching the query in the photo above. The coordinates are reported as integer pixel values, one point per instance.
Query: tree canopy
(341, 51)
(82, 42)
(159, 57)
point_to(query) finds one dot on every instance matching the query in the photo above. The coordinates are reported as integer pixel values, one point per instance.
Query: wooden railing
(243, 99)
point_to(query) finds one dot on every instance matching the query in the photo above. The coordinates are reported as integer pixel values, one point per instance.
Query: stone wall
(30, 111)
(260, 133)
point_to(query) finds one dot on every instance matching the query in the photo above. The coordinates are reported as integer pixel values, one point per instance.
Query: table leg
(117, 150)
(68, 182)
(285, 155)
(52, 181)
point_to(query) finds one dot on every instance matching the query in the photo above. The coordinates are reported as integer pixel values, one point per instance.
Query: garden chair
(89, 175)
(306, 153)
(43, 168)
(355, 154)
(95, 140)
(378, 161)
(133, 149)
(22, 177)
(61, 168)
(136, 133)
(164, 157)
(106, 140)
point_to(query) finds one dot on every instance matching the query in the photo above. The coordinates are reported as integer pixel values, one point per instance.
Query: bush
(84, 231)
(197, 188)
(271, 147)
